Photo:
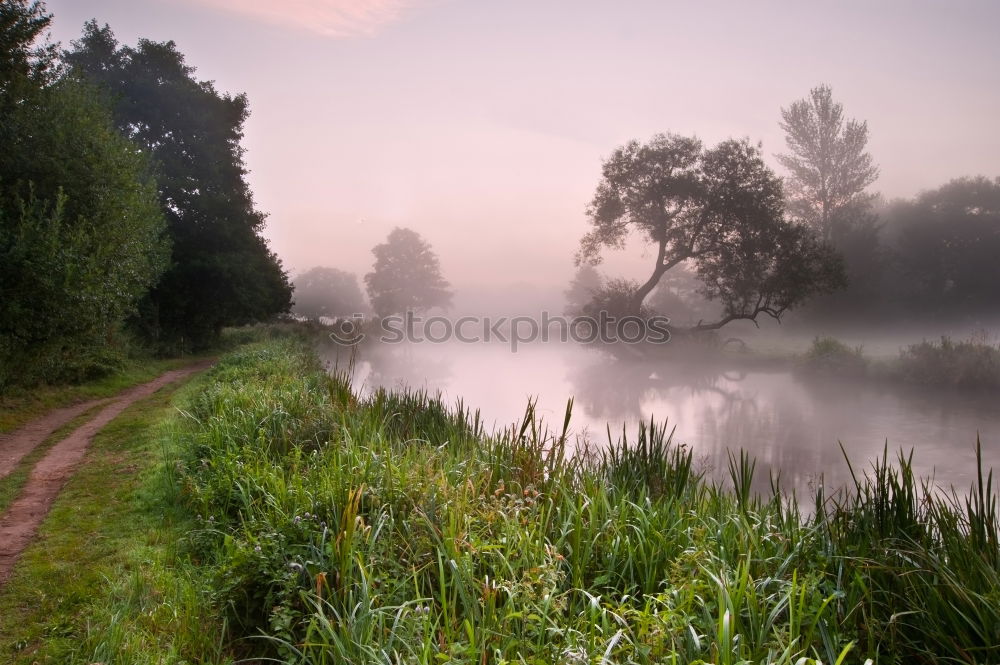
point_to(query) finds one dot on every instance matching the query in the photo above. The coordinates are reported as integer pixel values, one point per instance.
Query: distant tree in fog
(406, 276)
(829, 169)
(945, 244)
(678, 297)
(722, 211)
(327, 292)
(585, 285)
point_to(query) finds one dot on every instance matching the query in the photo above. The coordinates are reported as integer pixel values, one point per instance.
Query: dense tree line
(734, 241)
(932, 257)
(941, 250)
(124, 212)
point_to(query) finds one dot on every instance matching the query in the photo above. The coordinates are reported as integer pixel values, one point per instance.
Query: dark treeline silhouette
(221, 270)
(936, 260)
(124, 210)
(82, 236)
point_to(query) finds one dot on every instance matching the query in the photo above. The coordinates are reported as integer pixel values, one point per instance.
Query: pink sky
(482, 125)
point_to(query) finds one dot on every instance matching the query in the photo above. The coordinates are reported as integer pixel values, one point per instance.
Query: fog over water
(790, 422)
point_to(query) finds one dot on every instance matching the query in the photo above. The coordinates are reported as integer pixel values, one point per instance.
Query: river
(790, 422)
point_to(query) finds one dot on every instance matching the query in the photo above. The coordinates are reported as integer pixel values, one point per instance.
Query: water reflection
(791, 423)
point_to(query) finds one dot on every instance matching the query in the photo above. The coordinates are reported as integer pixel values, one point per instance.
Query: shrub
(968, 364)
(831, 356)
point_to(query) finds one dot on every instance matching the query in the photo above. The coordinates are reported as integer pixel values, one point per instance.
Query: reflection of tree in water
(765, 416)
(398, 366)
(614, 388)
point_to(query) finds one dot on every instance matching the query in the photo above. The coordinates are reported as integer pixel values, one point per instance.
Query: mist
(483, 128)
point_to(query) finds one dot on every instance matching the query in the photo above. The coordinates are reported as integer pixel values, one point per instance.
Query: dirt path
(14, 446)
(19, 524)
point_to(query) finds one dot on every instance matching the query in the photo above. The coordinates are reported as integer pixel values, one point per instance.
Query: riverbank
(348, 529)
(319, 526)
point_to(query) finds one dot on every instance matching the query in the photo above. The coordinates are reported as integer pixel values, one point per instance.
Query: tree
(406, 275)
(585, 285)
(678, 296)
(222, 271)
(22, 59)
(945, 245)
(81, 233)
(827, 162)
(719, 209)
(327, 292)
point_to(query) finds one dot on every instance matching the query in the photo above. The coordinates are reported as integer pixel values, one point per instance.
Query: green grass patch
(105, 582)
(19, 405)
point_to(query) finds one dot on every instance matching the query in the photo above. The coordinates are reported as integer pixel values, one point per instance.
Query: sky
(482, 124)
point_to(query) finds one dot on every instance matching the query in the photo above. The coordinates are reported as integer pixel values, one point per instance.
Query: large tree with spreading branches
(719, 209)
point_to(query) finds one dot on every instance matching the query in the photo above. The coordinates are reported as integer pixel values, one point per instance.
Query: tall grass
(394, 529)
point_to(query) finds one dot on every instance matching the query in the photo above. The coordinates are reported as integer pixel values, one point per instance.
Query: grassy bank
(394, 529)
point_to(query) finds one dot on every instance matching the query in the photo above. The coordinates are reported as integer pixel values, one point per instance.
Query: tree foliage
(406, 276)
(327, 292)
(81, 232)
(944, 245)
(23, 61)
(719, 209)
(222, 271)
(828, 164)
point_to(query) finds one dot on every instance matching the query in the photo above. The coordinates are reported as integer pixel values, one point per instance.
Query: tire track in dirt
(20, 523)
(16, 445)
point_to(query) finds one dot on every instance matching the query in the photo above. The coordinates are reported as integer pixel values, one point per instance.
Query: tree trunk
(635, 304)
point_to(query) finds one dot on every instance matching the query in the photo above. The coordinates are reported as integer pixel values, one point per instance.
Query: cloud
(331, 18)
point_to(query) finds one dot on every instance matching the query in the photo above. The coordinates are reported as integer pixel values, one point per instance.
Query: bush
(831, 356)
(969, 364)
